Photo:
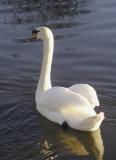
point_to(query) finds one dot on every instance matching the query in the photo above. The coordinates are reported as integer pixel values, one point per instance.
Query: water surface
(85, 52)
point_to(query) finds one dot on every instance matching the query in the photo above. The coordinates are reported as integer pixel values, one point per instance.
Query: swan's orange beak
(32, 38)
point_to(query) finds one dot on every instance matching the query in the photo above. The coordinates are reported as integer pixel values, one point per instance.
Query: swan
(73, 106)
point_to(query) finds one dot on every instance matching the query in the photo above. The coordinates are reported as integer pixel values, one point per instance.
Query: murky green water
(85, 52)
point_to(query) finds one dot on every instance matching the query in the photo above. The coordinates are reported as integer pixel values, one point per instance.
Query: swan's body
(73, 105)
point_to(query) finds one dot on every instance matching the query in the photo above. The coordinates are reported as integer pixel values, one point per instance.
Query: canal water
(85, 52)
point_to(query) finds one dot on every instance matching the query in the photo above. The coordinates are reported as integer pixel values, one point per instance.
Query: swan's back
(58, 97)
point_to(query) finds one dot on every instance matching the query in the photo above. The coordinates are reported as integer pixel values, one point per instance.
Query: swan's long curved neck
(45, 75)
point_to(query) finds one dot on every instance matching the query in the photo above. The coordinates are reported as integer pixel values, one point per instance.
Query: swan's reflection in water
(59, 142)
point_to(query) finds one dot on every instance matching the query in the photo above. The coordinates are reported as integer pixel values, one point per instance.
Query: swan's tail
(94, 122)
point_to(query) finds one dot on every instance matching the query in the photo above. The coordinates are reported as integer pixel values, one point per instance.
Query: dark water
(85, 52)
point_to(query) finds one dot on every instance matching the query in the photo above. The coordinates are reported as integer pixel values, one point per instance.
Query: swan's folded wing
(60, 104)
(86, 91)
(59, 97)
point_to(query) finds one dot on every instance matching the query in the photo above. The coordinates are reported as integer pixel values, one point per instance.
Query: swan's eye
(35, 31)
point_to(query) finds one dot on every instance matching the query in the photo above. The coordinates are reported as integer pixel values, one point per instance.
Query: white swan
(73, 106)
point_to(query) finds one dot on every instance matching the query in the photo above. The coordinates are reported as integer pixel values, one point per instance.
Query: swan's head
(42, 33)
